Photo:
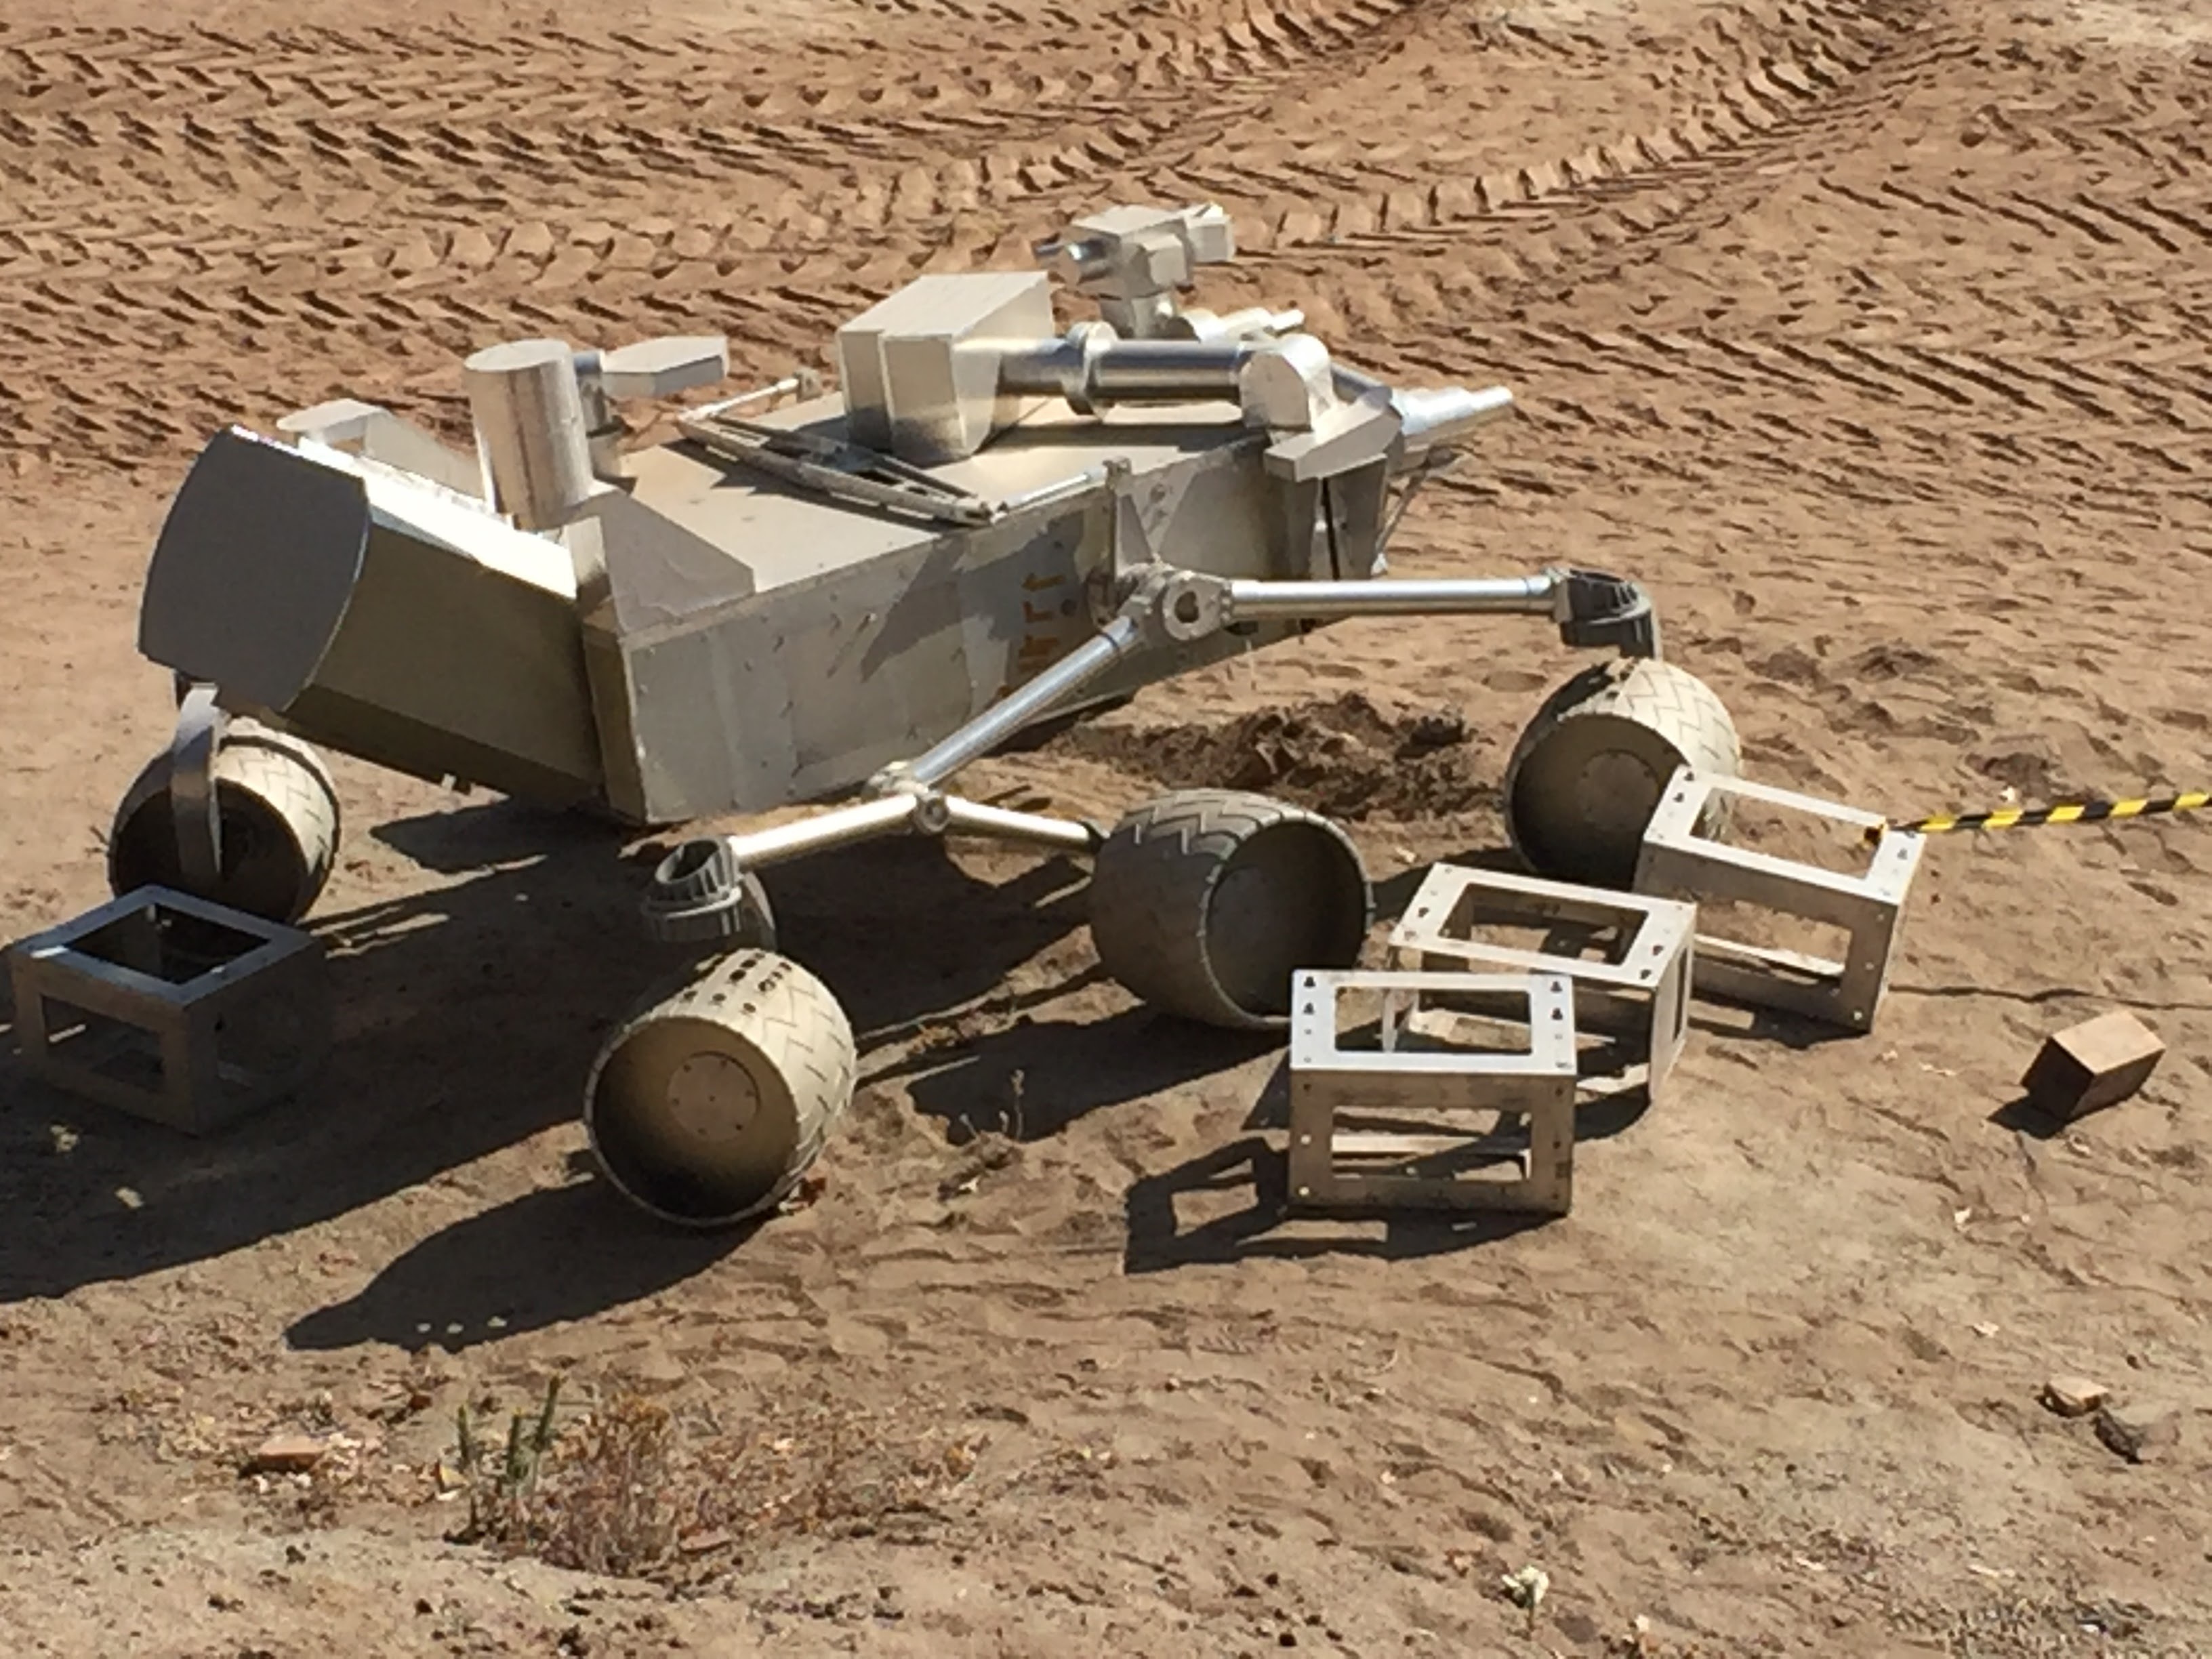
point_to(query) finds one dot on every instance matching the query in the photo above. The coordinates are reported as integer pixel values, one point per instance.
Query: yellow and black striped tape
(2027, 817)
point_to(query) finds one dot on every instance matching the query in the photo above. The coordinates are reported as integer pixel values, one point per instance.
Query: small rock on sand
(2075, 1396)
(285, 1454)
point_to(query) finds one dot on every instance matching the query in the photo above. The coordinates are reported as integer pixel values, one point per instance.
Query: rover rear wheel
(279, 816)
(708, 1108)
(1588, 770)
(1205, 902)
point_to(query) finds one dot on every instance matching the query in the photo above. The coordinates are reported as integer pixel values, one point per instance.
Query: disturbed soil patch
(1343, 756)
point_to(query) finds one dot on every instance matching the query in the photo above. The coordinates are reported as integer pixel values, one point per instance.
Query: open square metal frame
(1641, 993)
(1678, 862)
(178, 1026)
(1327, 1079)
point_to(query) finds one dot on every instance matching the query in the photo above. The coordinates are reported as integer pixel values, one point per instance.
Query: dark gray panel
(254, 569)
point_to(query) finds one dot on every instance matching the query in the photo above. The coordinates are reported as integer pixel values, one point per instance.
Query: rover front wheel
(1205, 902)
(1589, 768)
(278, 812)
(708, 1108)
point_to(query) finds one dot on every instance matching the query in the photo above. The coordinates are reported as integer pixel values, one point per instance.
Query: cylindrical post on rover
(530, 429)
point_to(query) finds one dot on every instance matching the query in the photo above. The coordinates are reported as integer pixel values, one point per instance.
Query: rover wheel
(279, 815)
(1588, 772)
(708, 1108)
(1205, 902)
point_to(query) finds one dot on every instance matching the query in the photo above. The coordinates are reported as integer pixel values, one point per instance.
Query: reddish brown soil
(1876, 334)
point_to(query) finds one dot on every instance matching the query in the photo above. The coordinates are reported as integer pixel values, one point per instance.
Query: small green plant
(499, 1498)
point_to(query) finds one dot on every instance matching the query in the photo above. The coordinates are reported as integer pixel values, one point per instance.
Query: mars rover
(804, 597)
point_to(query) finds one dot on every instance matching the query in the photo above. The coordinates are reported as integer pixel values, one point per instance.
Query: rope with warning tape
(2028, 817)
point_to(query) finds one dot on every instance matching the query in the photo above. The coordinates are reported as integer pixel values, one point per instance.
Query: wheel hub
(711, 1097)
(1615, 793)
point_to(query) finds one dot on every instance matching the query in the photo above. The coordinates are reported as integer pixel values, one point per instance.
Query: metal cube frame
(115, 1006)
(1327, 1079)
(1641, 993)
(1678, 862)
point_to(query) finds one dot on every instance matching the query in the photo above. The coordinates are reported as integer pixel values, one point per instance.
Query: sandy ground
(1876, 334)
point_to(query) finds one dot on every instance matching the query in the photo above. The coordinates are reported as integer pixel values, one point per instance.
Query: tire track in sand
(387, 109)
(190, 232)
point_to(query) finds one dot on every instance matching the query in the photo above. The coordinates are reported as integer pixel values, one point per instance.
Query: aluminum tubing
(840, 826)
(1427, 420)
(974, 818)
(1259, 601)
(1126, 371)
(1423, 410)
(1134, 370)
(1051, 494)
(1005, 718)
(1432, 418)
(1157, 371)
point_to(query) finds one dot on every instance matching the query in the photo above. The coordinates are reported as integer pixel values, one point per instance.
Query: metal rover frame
(840, 600)
(805, 594)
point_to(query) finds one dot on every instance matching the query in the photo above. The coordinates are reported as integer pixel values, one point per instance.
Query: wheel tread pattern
(1650, 693)
(1151, 888)
(265, 766)
(291, 777)
(799, 1029)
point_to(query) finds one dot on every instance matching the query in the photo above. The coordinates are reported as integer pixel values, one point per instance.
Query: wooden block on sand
(2092, 1065)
